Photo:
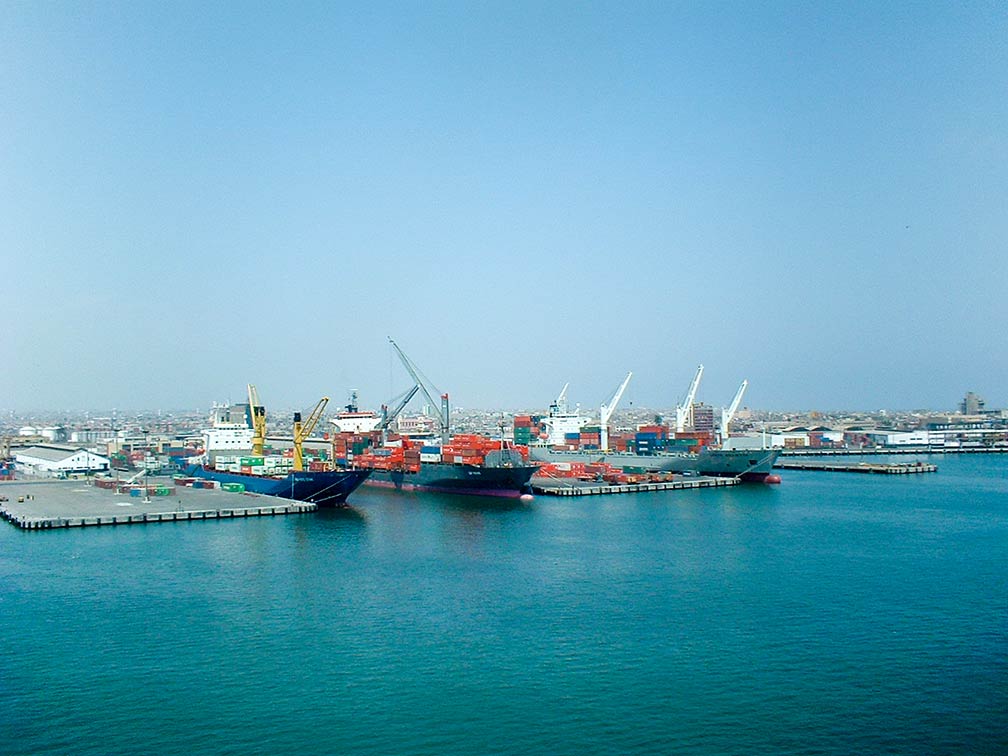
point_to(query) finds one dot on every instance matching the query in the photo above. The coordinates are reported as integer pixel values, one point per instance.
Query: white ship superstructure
(561, 420)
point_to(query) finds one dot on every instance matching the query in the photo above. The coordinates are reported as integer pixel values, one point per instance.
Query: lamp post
(146, 466)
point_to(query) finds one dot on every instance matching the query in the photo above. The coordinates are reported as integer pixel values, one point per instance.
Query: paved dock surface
(878, 468)
(45, 504)
(572, 487)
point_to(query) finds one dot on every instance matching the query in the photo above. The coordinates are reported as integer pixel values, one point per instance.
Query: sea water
(833, 614)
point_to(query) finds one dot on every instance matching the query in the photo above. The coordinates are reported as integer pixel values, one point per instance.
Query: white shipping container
(234, 467)
(430, 457)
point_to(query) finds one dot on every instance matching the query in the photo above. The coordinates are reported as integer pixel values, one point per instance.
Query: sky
(812, 196)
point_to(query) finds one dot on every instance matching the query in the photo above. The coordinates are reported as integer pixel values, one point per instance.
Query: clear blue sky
(811, 196)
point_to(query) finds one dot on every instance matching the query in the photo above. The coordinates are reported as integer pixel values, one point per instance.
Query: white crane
(561, 400)
(442, 412)
(728, 414)
(684, 412)
(606, 411)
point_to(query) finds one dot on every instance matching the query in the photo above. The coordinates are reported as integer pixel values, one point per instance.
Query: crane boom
(257, 414)
(684, 411)
(728, 414)
(561, 400)
(606, 411)
(389, 416)
(303, 429)
(441, 409)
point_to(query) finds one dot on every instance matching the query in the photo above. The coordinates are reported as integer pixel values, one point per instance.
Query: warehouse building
(53, 461)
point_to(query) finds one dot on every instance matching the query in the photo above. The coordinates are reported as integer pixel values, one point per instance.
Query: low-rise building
(54, 461)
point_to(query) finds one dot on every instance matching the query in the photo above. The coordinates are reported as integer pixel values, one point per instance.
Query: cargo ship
(752, 465)
(280, 475)
(466, 464)
(469, 465)
(327, 488)
(565, 436)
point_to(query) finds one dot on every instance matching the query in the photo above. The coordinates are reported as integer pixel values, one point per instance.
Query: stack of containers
(650, 438)
(590, 437)
(523, 429)
(430, 453)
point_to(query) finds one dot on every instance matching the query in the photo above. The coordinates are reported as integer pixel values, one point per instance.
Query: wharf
(48, 504)
(878, 468)
(872, 451)
(566, 487)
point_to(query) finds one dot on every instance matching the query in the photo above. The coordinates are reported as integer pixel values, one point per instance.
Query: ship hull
(327, 489)
(470, 480)
(746, 464)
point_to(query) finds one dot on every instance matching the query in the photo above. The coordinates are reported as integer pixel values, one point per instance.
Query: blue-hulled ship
(327, 488)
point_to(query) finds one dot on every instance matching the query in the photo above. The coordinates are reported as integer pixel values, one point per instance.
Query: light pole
(146, 466)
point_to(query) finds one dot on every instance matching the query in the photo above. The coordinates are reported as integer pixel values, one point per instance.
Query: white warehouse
(54, 461)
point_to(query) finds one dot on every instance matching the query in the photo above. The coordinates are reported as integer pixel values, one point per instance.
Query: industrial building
(54, 461)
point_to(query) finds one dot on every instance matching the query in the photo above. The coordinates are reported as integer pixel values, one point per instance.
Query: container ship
(328, 488)
(282, 475)
(459, 464)
(563, 436)
(468, 464)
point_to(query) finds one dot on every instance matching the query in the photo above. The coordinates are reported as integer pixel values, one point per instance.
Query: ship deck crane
(728, 414)
(440, 409)
(606, 411)
(560, 405)
(684, 411)
(303, 429)
(389, 416)
(257, 413)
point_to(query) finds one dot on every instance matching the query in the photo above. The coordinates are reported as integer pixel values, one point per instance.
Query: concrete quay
(44, 505)
(878, 468)
(872, 451)
(568, 487)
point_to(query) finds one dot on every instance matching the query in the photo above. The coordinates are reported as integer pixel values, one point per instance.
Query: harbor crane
(441, 408)
(561, 401)
(303, 429)
(728, 414)
(257, 414)
(606, 412)
(389, 415)
(684, 411)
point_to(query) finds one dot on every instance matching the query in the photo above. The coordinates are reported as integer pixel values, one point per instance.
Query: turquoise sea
(832, 614)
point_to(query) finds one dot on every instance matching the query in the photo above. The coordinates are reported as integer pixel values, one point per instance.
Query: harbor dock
(565, 487)
(877, 468)
(868, 451)
(44, 505)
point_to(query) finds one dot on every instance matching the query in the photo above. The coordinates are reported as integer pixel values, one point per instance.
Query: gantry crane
(257, 413)
(728, 414)
(606, 411)
(303, 429)
(684, 411)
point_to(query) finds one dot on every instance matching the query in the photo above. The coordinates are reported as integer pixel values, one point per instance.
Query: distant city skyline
(195, 197)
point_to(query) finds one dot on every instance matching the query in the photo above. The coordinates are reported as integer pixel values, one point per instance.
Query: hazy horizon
(194, 197)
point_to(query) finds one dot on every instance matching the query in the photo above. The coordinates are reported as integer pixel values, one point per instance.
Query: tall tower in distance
(971, 404)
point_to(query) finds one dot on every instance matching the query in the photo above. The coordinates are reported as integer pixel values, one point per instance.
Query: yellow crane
(258, 415)
(303, 429)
